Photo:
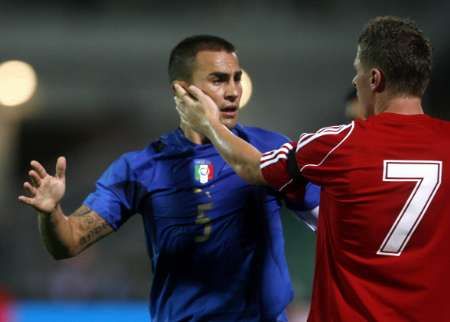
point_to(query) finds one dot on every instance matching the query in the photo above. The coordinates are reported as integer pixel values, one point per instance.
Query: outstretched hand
(196, 109)
(45, 191)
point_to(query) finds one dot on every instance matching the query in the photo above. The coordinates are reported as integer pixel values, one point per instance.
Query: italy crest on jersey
(203, 171)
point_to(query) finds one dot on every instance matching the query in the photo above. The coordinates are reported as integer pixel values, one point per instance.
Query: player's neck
(193, 136)
(408, 105)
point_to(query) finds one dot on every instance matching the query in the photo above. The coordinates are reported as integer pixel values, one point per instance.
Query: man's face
(218, 74)
(361, 81)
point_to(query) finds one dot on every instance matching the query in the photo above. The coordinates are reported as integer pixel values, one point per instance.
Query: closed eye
(218, 78)
(238, 76)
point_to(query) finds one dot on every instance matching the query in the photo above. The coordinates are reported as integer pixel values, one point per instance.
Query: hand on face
(196, 109)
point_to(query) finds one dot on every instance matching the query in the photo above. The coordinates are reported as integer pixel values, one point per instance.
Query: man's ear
(377, 80)
(182, 83)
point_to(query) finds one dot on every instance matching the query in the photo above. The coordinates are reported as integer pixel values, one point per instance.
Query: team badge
(203, 171)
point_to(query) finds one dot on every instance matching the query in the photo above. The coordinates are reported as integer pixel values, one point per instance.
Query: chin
(229, 123)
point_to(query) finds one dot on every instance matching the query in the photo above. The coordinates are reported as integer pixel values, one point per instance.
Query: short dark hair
(399, 48)
(182, 57)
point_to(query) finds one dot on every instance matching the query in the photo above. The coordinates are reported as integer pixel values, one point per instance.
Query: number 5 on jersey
(202, 219)
(427, 175)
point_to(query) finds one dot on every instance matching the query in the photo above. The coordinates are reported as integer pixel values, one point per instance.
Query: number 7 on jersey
(427, 175)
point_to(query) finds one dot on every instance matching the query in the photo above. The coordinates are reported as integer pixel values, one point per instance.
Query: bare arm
(198, 111)
(64, 236)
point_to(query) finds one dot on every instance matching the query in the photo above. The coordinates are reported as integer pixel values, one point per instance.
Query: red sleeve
(274, 166)
(313, 152)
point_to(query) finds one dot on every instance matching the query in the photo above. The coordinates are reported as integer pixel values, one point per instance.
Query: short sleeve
(114, 198)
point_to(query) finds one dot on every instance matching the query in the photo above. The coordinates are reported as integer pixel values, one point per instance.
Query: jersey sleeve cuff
(91, 203)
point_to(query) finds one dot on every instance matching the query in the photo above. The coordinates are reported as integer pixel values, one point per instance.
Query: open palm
(45, 191)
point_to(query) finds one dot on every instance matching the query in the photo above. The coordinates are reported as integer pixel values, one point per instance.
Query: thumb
(61, 164)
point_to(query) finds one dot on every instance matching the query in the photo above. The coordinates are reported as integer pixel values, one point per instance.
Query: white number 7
(427, 175)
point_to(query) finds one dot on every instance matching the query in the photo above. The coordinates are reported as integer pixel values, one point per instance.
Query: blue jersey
(215, 242)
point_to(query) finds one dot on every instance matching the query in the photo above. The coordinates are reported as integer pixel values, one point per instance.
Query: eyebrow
(224, 75)
(219, 75)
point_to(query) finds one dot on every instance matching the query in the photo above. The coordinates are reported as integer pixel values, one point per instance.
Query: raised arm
(198, 111)
(64, 236)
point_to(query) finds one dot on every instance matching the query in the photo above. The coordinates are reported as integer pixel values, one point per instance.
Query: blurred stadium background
(102, 89)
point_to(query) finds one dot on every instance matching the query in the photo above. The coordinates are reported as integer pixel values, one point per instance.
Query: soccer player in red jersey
(383, 242)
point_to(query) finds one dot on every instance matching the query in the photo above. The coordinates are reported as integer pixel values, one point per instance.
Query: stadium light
(247, 89)
(18, 82)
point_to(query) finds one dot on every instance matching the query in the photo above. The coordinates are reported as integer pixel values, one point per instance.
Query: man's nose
(232, 91)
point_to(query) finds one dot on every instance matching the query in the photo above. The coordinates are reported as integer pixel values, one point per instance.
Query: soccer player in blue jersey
(215, 242)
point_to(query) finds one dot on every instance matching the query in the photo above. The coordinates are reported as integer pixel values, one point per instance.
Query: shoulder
(133, 164)
(264, 139)
(165, 145)
(440, 130)
(440, 124)
(135, 158)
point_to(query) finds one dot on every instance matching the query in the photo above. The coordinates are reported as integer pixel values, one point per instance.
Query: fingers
(205, 100)
(196, 92)
(26, 200)
(29, 188)
(179, 90)
(61, 164)
(183, 95)
(178, 102)
(38, 172)
(182, 114)
(180, 107)
(35, 178)
(39, 169)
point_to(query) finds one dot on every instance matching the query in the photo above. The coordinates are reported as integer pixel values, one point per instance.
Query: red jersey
(383, 242)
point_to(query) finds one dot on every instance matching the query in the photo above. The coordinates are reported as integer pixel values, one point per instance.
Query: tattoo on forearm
(82, 212)
(88, 220)
(92, 234)
(91, 226)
